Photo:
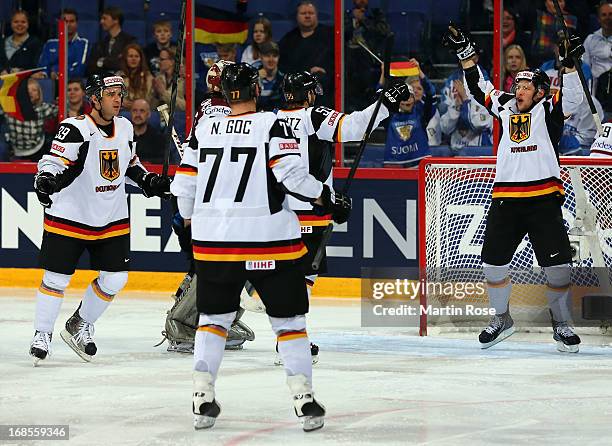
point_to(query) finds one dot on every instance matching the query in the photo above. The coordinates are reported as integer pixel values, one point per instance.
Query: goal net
(455, 195)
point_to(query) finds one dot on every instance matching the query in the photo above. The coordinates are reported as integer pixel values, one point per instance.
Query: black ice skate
(500, 327)
(40, 347)
(567, 340)
(79, 336)
(310, 412)
(314, 352)
(204, 405)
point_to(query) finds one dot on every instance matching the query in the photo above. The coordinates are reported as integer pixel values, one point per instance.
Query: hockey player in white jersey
(315, 128)
(81, 184)
(232, 184)
(602, 146)
(528, 191)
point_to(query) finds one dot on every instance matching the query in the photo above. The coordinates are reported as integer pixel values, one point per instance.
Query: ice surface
(380, 386)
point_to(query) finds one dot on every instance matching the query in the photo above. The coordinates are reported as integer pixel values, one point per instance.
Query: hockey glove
(396, 94)
(570, 49)
(335, 203)
(154, 185)
(459, 43)
(45, 184)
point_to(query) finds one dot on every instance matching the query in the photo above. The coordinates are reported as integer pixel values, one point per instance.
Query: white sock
(558, 301)
(310, 281)
(48, 304)
(294, 348)
(95, 302)
(499, 295)
(208, 349)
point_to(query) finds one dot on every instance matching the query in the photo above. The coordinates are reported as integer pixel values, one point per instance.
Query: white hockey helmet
(213, 77)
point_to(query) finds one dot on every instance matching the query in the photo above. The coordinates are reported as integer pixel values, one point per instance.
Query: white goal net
(455, 195)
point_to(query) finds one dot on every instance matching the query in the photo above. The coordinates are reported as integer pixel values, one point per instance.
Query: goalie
(182, 318)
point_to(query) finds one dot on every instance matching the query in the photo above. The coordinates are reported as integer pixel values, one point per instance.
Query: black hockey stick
(316, 263)
(578, 65)
(178, 60)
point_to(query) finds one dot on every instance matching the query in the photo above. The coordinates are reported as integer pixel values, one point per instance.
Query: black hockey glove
(45, 184)
(335, 203)
(394, 95)
(569, 49)
(154, 185)
(459, 43)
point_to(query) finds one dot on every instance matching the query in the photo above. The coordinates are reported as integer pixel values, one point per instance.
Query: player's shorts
(508, 221)
(282, 290)
(313, 242)
(60, 254)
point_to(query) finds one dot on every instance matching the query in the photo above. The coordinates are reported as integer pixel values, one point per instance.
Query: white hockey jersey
(237, 170)
(91, 169)
(527, 160)
(602, 146)
(315, 128)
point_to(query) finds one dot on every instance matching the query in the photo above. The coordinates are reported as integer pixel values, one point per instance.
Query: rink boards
(382, 231)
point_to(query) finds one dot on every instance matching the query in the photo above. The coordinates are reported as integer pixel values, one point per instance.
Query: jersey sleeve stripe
(276, 159)
(338, 131)
(556, 97)
(64, 160)
(185, 169)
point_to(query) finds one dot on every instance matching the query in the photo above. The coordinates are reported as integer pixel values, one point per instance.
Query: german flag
(403, 69)
(14, 98)
(243, 251)
(67, 228)
(214, 25)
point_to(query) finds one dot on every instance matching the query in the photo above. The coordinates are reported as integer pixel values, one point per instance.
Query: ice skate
(205, 406)
(567, 340)
(79, 336)
(180, 347)
(40, 348)
(500, 327)
(310, 412)
(314, 352)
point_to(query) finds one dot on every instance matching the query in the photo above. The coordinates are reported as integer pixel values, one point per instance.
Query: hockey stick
(178, 59)
(316, 263)
(578, 65)
(163, 113)
(360, 41)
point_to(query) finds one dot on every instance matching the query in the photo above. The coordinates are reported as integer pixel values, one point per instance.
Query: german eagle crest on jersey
(109, 164)
(520, 127)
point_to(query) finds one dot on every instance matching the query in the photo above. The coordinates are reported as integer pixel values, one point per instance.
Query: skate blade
(279, 360)
(67, 337)
(315, 359)
(310, 424)
(503, 335)
(203, 422)
(567, 348)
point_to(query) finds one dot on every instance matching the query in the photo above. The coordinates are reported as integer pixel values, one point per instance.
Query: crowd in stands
(440, 114)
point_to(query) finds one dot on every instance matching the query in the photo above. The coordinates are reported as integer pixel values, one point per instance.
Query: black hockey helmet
(96, 83)
(297, 85)
(239, 82)
(537, 77)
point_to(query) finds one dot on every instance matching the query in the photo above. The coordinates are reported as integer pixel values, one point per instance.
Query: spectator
(546, 29)
(162, 35)
(598, 54)
(407, 138)
(135, 72)
(270, 78)
(78, 48)
(262, 32)
(77, 104)
(226, 51)
(149, 141)
(27, 138)
(309, 47)
(579, 129)
(512, 33)
(162, 84)
(361, 71)
(463, 121)
(514, 61)
(20, 50)
(107, 54)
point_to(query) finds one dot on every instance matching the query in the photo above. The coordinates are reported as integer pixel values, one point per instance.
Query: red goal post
(454, 195)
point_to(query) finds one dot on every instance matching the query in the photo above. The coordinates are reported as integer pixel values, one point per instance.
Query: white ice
(380, 386)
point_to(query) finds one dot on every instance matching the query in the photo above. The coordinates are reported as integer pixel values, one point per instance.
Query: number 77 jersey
(237, 170)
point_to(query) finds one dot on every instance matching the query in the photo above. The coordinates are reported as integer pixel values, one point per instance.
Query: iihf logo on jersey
(520, 127)
(109, 164)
